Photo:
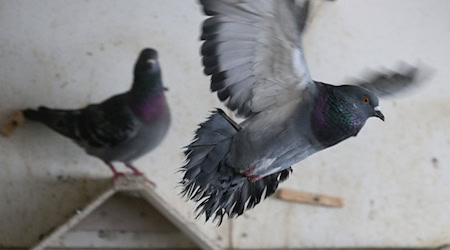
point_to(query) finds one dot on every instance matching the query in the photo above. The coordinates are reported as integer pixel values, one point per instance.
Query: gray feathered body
(273, 140)
(252, 50)
(123, 127)
(143, 133)
(231, 165)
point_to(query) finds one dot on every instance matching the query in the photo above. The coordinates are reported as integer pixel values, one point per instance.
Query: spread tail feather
(218, 188)
(62, 121)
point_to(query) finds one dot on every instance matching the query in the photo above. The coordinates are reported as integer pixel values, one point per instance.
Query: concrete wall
(394, 176)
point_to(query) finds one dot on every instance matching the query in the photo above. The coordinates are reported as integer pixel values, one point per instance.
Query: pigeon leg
(137, 172)
(254, 179)
(247, 172)
(116, 173)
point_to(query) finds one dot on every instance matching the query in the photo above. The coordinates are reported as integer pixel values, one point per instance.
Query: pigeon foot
(254, 179)
(116, 174)
(137, 172)
(247, 172)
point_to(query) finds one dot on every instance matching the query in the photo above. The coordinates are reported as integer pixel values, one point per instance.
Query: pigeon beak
(378, 113)
(165, 89)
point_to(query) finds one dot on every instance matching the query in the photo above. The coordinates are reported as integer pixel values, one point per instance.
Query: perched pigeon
(123, 127)
(252, 50)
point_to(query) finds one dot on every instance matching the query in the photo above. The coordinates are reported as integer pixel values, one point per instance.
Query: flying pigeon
(252, 51)
(121, 128)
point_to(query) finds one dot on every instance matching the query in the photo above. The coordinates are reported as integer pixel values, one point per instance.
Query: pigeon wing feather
(252, 50)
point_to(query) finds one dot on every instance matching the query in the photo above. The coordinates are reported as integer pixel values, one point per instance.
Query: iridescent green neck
(334, 118)
(146, 84)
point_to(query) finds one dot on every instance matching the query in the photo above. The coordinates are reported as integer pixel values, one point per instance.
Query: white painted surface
(70, 53)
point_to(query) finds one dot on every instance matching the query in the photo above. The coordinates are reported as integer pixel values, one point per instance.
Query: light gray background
(394, 176)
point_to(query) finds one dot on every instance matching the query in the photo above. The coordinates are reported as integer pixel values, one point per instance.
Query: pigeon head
(147, 72)
(341, 112)
(362, 101)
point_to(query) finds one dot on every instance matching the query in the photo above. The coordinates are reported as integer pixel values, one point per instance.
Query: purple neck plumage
(333, 119)
(150, 105)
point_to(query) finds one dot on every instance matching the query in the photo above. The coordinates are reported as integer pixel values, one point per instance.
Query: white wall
(69, 53)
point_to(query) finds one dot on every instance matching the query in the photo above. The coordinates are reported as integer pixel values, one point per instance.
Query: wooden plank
(13, 122)
(126, 213)
(309, 198)
(135, 186)
(189, 228)
(125, 240)
(55, 235)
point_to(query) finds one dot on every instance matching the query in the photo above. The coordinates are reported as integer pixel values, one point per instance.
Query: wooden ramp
(128, 214)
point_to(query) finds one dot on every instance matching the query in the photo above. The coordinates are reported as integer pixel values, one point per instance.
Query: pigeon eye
(365, 100)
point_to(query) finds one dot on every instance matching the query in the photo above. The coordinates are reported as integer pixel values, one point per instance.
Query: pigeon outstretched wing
(386, 83)
(252, 50)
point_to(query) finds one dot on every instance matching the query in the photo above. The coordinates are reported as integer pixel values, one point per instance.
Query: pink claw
(116, 174)
(254, 179)
(137, 172)
(247, 172)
